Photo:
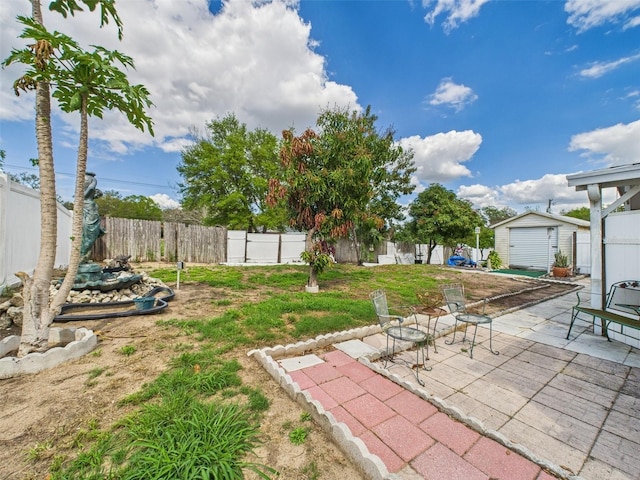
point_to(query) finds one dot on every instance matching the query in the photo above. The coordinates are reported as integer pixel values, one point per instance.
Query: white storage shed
(531, 239)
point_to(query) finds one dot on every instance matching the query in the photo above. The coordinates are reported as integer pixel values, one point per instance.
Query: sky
(498, 99)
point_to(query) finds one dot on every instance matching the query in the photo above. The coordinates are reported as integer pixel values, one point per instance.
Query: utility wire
(128, 182)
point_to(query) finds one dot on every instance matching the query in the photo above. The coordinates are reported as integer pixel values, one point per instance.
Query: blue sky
(499, 100)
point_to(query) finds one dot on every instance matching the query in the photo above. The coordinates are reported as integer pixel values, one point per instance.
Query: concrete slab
(356, 348)
(298, 363)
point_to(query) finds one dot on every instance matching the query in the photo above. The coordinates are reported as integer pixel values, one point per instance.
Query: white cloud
(456, 11)
(539, 191)
(586, 14)
(480, 195)
(440, 157)
(455, 95)
(255, 59)
(598, 69)
(615, 145)
(164, 201)
(534, 194)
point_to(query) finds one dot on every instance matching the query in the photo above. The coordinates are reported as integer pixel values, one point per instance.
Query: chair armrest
(580, 299)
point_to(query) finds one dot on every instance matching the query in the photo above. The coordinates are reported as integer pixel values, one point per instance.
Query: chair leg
(420, 347)
(491, 340)
(388, 355)
(473, 342)
(455, 329)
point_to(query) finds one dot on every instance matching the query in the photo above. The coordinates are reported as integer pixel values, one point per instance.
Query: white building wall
(565, 234)
(20, 231)
(622, 254)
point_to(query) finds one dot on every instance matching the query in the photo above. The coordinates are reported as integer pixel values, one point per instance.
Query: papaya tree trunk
(78, 204)
(36, 314)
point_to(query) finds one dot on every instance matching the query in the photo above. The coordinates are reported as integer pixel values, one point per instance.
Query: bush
(494, 259)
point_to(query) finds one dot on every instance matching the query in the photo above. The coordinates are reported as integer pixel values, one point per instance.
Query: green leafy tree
(227, 173)
(344, 178)
(83, 82)
(493, 215)
(486, 239)
(582, 213)
(112, 204)
(440, 217)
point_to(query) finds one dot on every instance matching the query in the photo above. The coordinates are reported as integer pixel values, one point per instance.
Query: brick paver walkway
(406, 432)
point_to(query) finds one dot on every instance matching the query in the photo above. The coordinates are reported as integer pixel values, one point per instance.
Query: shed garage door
(532, 248)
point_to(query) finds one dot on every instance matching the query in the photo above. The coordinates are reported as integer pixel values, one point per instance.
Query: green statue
(91, 228)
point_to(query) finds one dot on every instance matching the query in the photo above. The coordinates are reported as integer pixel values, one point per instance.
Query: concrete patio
(545, 407)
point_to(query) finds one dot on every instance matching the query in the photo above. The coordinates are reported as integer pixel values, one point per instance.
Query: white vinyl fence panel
(262, 248)
(291, 246)
(20, 231)
(622, 253)
(236, 246)
(583, 253)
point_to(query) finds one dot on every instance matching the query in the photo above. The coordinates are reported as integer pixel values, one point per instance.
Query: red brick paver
(403, 429)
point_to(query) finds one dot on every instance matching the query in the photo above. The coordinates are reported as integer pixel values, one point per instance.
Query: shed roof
(549, 216)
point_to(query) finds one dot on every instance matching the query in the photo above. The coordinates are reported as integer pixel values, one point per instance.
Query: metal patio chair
(392, 326)
(454, 298)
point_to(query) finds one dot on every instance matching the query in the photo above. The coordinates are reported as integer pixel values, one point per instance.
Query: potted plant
(561, 265)
(318, 258)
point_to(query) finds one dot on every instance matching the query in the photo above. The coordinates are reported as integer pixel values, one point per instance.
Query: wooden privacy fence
(148, 241)
(195, 243)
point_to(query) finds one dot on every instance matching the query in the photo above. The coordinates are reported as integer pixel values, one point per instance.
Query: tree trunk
(356, 245)
(308, 245)
(313, 277)
(431, 247)
(36, 314)
(78, 204)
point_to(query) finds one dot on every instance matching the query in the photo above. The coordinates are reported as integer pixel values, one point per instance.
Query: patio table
(433, 312)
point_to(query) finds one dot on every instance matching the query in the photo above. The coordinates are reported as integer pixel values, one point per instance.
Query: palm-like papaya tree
(83, 82)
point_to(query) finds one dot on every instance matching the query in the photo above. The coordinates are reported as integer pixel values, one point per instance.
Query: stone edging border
(10, 367)
(353, 447)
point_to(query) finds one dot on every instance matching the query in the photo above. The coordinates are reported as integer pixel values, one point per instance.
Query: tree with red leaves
(339, 181)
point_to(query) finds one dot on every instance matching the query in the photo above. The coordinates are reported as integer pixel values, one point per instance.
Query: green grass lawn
(196, 420)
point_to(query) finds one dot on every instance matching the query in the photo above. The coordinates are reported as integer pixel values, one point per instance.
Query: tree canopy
(112, 204)
(493, 215)
(344, 179)
(582, 213)
(226, 173)
(438, 216)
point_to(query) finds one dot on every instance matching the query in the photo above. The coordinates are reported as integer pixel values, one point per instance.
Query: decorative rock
(5, 306)
(5, 321)
(17, 300)
(15, 315)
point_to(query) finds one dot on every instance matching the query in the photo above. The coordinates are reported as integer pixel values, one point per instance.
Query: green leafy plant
(318, 258)
(561, 260)
(298, 435)
(35, 453)
(127, 350)
(494, 259)
(305, 417)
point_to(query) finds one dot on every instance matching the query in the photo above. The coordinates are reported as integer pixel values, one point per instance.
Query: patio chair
(393, 328)
(454, 298)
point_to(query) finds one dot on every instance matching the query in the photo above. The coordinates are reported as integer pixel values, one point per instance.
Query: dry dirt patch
(43, 414)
